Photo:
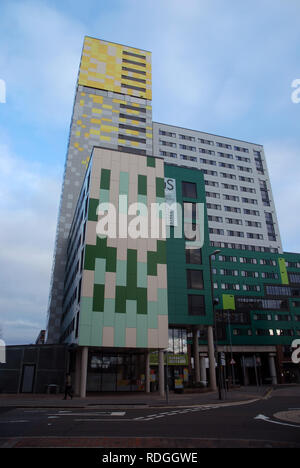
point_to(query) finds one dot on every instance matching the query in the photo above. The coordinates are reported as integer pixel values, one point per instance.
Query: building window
(283, 318)
(264, 332)
(294, 278)
(196, 304)
(189, 190)
(177, 341)
(251, 303)
(249, 274)
(193, 256)
(168, 134)
(195, 279)
(284, 332)
(230, 286)
(205, 142)
(242, 332)
(186, 137)
(213, 206)
(265, 317)
(223, 145)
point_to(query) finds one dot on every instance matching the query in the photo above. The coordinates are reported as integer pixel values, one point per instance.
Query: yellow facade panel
(98, 53)
(105, 138)
(133, 112)
(132, 132)
(98, 99)
(106, 128)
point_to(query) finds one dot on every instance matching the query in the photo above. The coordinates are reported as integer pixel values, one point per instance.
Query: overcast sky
(220, 66)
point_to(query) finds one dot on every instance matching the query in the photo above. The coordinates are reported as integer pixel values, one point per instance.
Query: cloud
(29, 196)
(40, 60)
(283, 158)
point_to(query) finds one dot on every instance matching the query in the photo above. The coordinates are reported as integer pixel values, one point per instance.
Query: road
(254, 424)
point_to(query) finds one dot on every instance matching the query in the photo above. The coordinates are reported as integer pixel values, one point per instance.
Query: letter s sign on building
(170, 196)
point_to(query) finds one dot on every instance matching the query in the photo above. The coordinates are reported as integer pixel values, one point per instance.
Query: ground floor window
(120, 372)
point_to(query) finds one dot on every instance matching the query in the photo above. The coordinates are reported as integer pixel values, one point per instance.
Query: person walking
(68, 387)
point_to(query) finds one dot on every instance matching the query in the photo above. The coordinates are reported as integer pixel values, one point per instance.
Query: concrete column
(84, 362)
(147, 371)
(246, 376)
(272, 368)
(161, 373)
(196, 355)
(77, 372)
(211, 357)
(203, 370)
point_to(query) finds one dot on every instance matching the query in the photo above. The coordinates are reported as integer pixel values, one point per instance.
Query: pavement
(136, 400)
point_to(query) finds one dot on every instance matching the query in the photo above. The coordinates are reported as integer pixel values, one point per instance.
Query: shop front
(115, 372)
(176, 369)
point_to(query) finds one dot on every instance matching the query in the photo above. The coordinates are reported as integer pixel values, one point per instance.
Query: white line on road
(267, 419)
(17, 421)
(114, 413)
(102, 420)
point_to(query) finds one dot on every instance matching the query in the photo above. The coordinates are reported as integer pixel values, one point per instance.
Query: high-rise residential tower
(112, 109)
(118, 303)
(240, 205)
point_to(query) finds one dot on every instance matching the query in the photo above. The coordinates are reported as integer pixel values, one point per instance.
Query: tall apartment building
(240, 205)
(112, 108)
(117, 300)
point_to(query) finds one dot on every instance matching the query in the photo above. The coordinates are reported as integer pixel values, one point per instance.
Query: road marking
(35, 411)
(102, 420)
(17, 421)
(262, 417)
(103, 413)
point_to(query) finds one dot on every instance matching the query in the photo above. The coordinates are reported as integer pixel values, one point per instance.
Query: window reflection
(177, 341)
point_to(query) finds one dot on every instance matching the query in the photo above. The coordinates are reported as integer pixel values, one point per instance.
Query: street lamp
(215, 302)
